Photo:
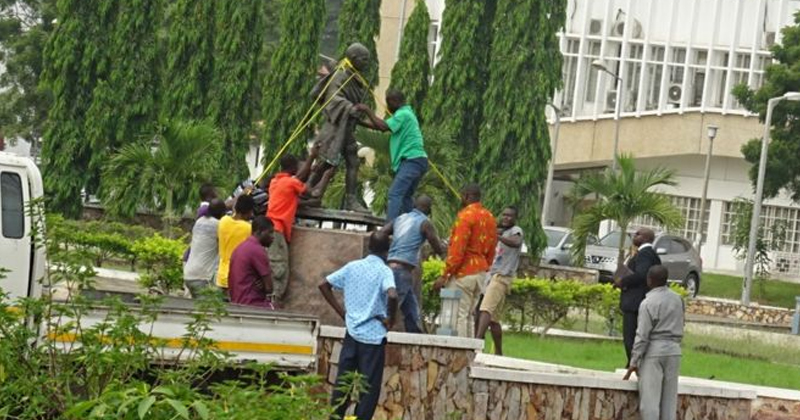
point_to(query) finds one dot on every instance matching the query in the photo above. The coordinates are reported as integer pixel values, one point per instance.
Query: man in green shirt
(409, 160)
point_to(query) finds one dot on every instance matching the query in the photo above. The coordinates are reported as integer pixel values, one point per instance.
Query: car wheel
(692, 284)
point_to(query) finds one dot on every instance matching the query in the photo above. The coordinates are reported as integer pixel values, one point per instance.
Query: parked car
(679, 256)
(559, 245)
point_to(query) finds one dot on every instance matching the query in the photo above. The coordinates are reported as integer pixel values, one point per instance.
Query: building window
(570, 75)
(654, 72)
(434, 37)
(592, 53)
(769, 215)
(13, 215)
(690, 210)
(633, 74)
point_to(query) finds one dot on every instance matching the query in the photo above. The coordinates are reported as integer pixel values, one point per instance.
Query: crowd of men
(246, 255)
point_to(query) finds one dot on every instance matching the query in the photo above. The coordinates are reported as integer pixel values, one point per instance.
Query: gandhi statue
(335, 135)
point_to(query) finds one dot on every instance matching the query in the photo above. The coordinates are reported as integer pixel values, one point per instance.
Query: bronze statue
(335, 136)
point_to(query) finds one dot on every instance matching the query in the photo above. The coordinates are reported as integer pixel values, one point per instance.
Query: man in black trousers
(634, 284)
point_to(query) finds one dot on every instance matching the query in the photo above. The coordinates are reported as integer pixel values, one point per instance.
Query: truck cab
(20, 182)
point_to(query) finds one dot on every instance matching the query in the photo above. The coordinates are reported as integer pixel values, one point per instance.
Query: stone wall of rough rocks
(775, 409)
(529, 267)
(429, 382)
(732, 310)
(522, 401)
(419, 382)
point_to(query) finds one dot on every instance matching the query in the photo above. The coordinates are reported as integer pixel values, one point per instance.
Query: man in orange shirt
(469, 255)
(285, 191)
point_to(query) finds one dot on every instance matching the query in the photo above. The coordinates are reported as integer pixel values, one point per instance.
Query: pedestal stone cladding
(315, 253)
(426, 377)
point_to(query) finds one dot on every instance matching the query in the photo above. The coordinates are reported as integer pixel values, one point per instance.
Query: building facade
(678, 61)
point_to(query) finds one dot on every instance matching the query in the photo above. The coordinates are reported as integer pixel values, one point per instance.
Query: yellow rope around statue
(306, 120)
(379, 102)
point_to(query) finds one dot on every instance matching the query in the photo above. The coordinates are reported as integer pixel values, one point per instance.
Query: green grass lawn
(772, 292)
(724, 359)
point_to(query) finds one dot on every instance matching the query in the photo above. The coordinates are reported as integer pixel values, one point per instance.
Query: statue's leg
(351, 201)
(320, 176)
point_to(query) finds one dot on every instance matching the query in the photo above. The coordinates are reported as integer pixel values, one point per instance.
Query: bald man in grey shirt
(656, 355)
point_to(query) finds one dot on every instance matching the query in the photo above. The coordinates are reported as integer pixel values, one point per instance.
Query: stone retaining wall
(430, 378)
(733, 310)
(530, 267)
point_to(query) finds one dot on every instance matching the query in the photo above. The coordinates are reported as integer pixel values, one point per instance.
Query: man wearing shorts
(502, 273)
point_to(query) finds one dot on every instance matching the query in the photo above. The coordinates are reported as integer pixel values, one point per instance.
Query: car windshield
(612, 240)
(554, 237)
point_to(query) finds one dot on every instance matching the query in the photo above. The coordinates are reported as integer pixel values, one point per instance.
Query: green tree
(71, 69)
(292, 73)
(781, 77)
(622, 196)
(163, 172)
(411, 73)
(454, 102)
(124, 102)
(189, 59)
(360, 21)
(237, 44)
(25, 26)
(525, 71)
(771, 237)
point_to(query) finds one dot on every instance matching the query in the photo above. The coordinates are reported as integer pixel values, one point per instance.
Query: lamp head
(599, 65)
(712, 131)
(791, 96)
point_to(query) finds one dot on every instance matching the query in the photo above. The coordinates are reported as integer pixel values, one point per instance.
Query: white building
(678, 60)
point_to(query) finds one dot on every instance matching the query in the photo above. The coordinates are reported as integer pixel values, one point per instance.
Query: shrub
(544, 302)
(162, 261)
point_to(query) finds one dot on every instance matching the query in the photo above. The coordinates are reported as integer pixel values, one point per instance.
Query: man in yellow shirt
(232, 232)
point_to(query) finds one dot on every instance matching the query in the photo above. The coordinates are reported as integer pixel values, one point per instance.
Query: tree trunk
(168, 215)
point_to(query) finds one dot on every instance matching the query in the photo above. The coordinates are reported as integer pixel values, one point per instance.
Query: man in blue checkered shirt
(370, 304)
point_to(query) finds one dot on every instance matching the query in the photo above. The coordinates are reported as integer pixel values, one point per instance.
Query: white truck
(288, 341)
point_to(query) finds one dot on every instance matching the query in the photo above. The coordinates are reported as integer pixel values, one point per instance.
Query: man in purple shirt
(250, 277)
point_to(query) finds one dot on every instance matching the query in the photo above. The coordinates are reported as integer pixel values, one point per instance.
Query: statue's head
(359, 55)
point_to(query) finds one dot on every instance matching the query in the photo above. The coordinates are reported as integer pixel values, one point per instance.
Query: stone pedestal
(315, 253)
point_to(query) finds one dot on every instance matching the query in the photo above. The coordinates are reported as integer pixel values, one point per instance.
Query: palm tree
(163, 172)
(623, 196)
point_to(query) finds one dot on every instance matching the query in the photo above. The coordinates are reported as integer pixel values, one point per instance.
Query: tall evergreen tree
(411, 73)
(124, 102)
(292, 73)
(525, 70)
(237, 43)
(72, 64)
(189, 59)
(781, 77)
(360, 21)
(25, 26)
(454, 103)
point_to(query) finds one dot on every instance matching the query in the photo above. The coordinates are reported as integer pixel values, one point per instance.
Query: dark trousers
(405, 182)
(368, 360)
(404, 280)
(629, 323)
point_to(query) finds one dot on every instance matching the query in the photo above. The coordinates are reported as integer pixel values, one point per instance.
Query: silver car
(559, 244)
(679, 256)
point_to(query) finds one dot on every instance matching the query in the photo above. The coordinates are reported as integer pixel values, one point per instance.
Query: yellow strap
(304, 123)
(386, 108)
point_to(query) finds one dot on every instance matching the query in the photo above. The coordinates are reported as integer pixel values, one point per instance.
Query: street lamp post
(712, 133)
(599, 65)
(548, 188)
(762, 171)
